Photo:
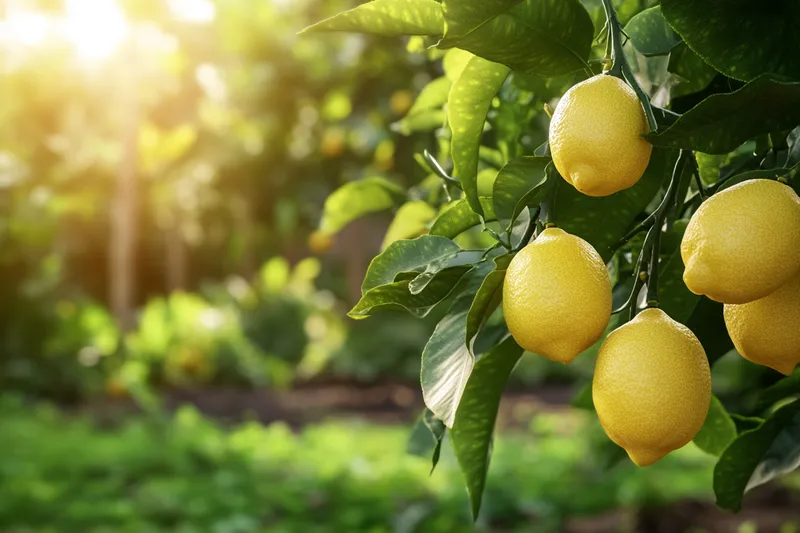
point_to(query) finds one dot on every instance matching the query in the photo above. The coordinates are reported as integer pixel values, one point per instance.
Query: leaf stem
(437, 168)
(548, 207)
(620, 67)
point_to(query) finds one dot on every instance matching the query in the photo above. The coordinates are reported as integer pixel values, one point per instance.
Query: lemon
(596, 136)
(557, 296)
(767, 331)
(652, 386)
(743, 243)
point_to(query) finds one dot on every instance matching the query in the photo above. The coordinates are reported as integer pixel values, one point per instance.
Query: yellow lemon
(743, 243)
(596, 136)
(652, 386)
(557, 296)
(767, 331)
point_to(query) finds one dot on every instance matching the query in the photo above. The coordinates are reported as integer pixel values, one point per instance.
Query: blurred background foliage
(163, 167)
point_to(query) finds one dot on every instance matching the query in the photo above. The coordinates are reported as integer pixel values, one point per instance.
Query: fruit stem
(658, 224)
(548, 206)
(620, 67)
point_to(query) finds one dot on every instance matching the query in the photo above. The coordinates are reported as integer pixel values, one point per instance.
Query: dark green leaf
(786, 387)
(696, 74)
(583, 398)
(746, 423)
(546, 37)
(708, 324)
(407, 256)
(464, 258)
(676, 300)
(397, 295)
(467, 106)
(446, 359)
(766, 174)
(741, 38)
(426, 438)
(388, 17)
(358, 198)
(758, 455)
(650, 33)
(487, 298)
(475, 418)
(603, 221)
(518, 185)
(718, 430)
(721, 122)
(455, 220)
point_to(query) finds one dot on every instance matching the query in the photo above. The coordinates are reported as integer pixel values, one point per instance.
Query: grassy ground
(185, 474)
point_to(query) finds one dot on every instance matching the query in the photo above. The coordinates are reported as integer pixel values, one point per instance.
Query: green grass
(187, 474)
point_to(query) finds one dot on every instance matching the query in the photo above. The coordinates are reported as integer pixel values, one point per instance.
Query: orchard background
(191, 197)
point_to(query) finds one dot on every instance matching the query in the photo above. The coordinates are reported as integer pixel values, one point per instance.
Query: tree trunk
(123, 235)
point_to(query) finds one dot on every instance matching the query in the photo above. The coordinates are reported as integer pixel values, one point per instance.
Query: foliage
(66, 474)
(706, 92)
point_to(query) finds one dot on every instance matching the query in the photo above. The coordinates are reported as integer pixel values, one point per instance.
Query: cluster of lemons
(652, 381)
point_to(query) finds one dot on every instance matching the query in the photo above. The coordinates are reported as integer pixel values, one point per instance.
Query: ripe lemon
(596, 136)
(767, 331)
(743, 243)
(652, 386)
(557, 296)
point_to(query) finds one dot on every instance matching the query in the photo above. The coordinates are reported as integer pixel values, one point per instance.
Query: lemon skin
(557, 296)
(743, 243)
(596, 136)
(652, 386)
(767, 331)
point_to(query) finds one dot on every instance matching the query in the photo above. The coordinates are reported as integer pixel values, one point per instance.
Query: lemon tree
(612, 177)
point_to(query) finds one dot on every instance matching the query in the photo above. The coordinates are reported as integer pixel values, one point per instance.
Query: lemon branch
(647, 265)
(620, 67)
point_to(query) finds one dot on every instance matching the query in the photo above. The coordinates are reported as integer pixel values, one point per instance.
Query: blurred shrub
(63, 474)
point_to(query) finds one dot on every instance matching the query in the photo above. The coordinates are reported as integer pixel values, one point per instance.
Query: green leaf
(650, 33)
(695, 73)
(519, 184)
(388, 17)
(746, 423)
(718, 431)
(487, 298)
(398, 296)
(546, 37)
(741, 39)
(675, 299)
(474, 423)
(407, 256)
(467, 106)
(462, 17)
(426, 120)
(433, 96)
(455, 220)
(358, 198)
(446, 359)
(426, 438)
(758, 456)
(410, 221)
(708, 324)
(766, 174)
(604, 221)
(465, 258)
(721, 122)
(786, 387)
